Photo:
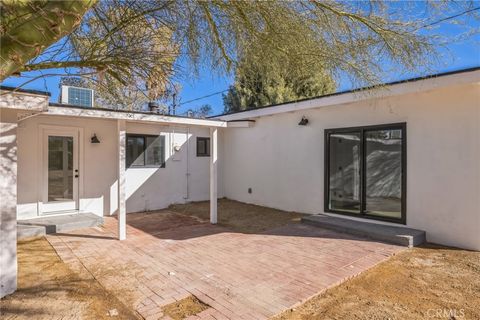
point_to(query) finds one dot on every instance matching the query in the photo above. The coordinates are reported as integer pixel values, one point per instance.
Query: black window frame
(207, 143)
(145, 136)
(362, 129)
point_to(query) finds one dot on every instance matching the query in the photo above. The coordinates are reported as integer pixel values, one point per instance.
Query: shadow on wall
(8, 153)
(147, 188)
(8, 212)
(177, 181)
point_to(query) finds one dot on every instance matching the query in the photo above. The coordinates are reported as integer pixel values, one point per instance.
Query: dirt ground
(185, 308)
(238, 216)
(428, 282)
(48, 289)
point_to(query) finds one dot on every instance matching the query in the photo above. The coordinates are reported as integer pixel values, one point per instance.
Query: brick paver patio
(168, 256)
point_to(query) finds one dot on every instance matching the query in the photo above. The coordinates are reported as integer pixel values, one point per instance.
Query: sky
(455, 56)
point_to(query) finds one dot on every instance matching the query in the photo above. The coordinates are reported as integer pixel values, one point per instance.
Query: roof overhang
(401, 88)
(68, 111)
(240, 123)
(23, 101)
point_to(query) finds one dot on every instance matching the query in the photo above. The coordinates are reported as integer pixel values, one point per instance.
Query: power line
(203, 97)
(448, 18)
(424, 26)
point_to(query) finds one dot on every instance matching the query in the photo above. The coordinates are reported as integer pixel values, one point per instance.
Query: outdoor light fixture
(303, 122)
(94, 139)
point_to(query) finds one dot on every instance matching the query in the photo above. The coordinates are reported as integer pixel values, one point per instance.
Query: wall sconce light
(94, 139)
(303, 122)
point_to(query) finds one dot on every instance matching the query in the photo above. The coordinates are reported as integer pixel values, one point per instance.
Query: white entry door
(60, 170)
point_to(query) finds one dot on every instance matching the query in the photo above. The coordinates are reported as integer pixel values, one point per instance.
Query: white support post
(122, 211)
(213, 174)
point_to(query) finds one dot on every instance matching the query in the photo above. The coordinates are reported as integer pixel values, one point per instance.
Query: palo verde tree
(144, 43)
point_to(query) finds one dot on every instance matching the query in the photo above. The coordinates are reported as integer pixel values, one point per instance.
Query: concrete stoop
(392, 234)
(41, 226)
(25, 231)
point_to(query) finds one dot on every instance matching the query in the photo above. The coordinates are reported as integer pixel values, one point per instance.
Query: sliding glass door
(365, 171)
(383, 173)
(344, 168)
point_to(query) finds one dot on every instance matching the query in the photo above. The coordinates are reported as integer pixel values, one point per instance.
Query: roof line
(70, 106)
(355, 90)
(39, 92)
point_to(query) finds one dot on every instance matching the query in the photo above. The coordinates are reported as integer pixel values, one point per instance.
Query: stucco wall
(283, 162)
(147, 188)
(8, 201)
(151, 188)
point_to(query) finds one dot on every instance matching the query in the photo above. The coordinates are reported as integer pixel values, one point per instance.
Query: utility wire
(424, 26)
(448, 18)
(203, 97)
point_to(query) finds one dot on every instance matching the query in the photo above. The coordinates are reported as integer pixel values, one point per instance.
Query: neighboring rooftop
(31, 91)
(59, 109)
(71, 106)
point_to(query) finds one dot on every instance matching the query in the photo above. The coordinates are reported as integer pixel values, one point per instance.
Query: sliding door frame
(363, 179)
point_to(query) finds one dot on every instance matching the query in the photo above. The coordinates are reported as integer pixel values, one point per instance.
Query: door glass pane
(135, 147)
(384, 173)
(344, 153)
(60, 168)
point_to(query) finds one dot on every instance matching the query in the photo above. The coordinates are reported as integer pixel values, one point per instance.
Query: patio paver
(168, 256)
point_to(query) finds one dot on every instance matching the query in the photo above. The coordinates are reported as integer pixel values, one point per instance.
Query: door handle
(76, 176)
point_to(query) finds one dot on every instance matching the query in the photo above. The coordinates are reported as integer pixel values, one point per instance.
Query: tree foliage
(111, 95)
(201, 112)
(141, 43)
(278, 77)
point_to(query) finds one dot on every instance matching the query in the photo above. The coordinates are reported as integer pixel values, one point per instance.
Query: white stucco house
(406, 155)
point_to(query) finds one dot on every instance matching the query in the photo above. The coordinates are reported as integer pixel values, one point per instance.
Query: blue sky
(454, 56)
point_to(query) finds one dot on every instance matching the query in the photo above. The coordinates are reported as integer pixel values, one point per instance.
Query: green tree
(278, 77)
(201, 112)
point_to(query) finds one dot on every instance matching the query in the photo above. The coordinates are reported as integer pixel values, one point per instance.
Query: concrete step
(392, 234)
(24, 231)
(64, 222)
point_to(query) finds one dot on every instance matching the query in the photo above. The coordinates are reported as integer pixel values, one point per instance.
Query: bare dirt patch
(238, 216)
(48, 289)
(184, 308)
(430, 282)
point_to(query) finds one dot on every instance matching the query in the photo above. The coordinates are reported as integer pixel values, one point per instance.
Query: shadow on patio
(254, 264)
(191, 220)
